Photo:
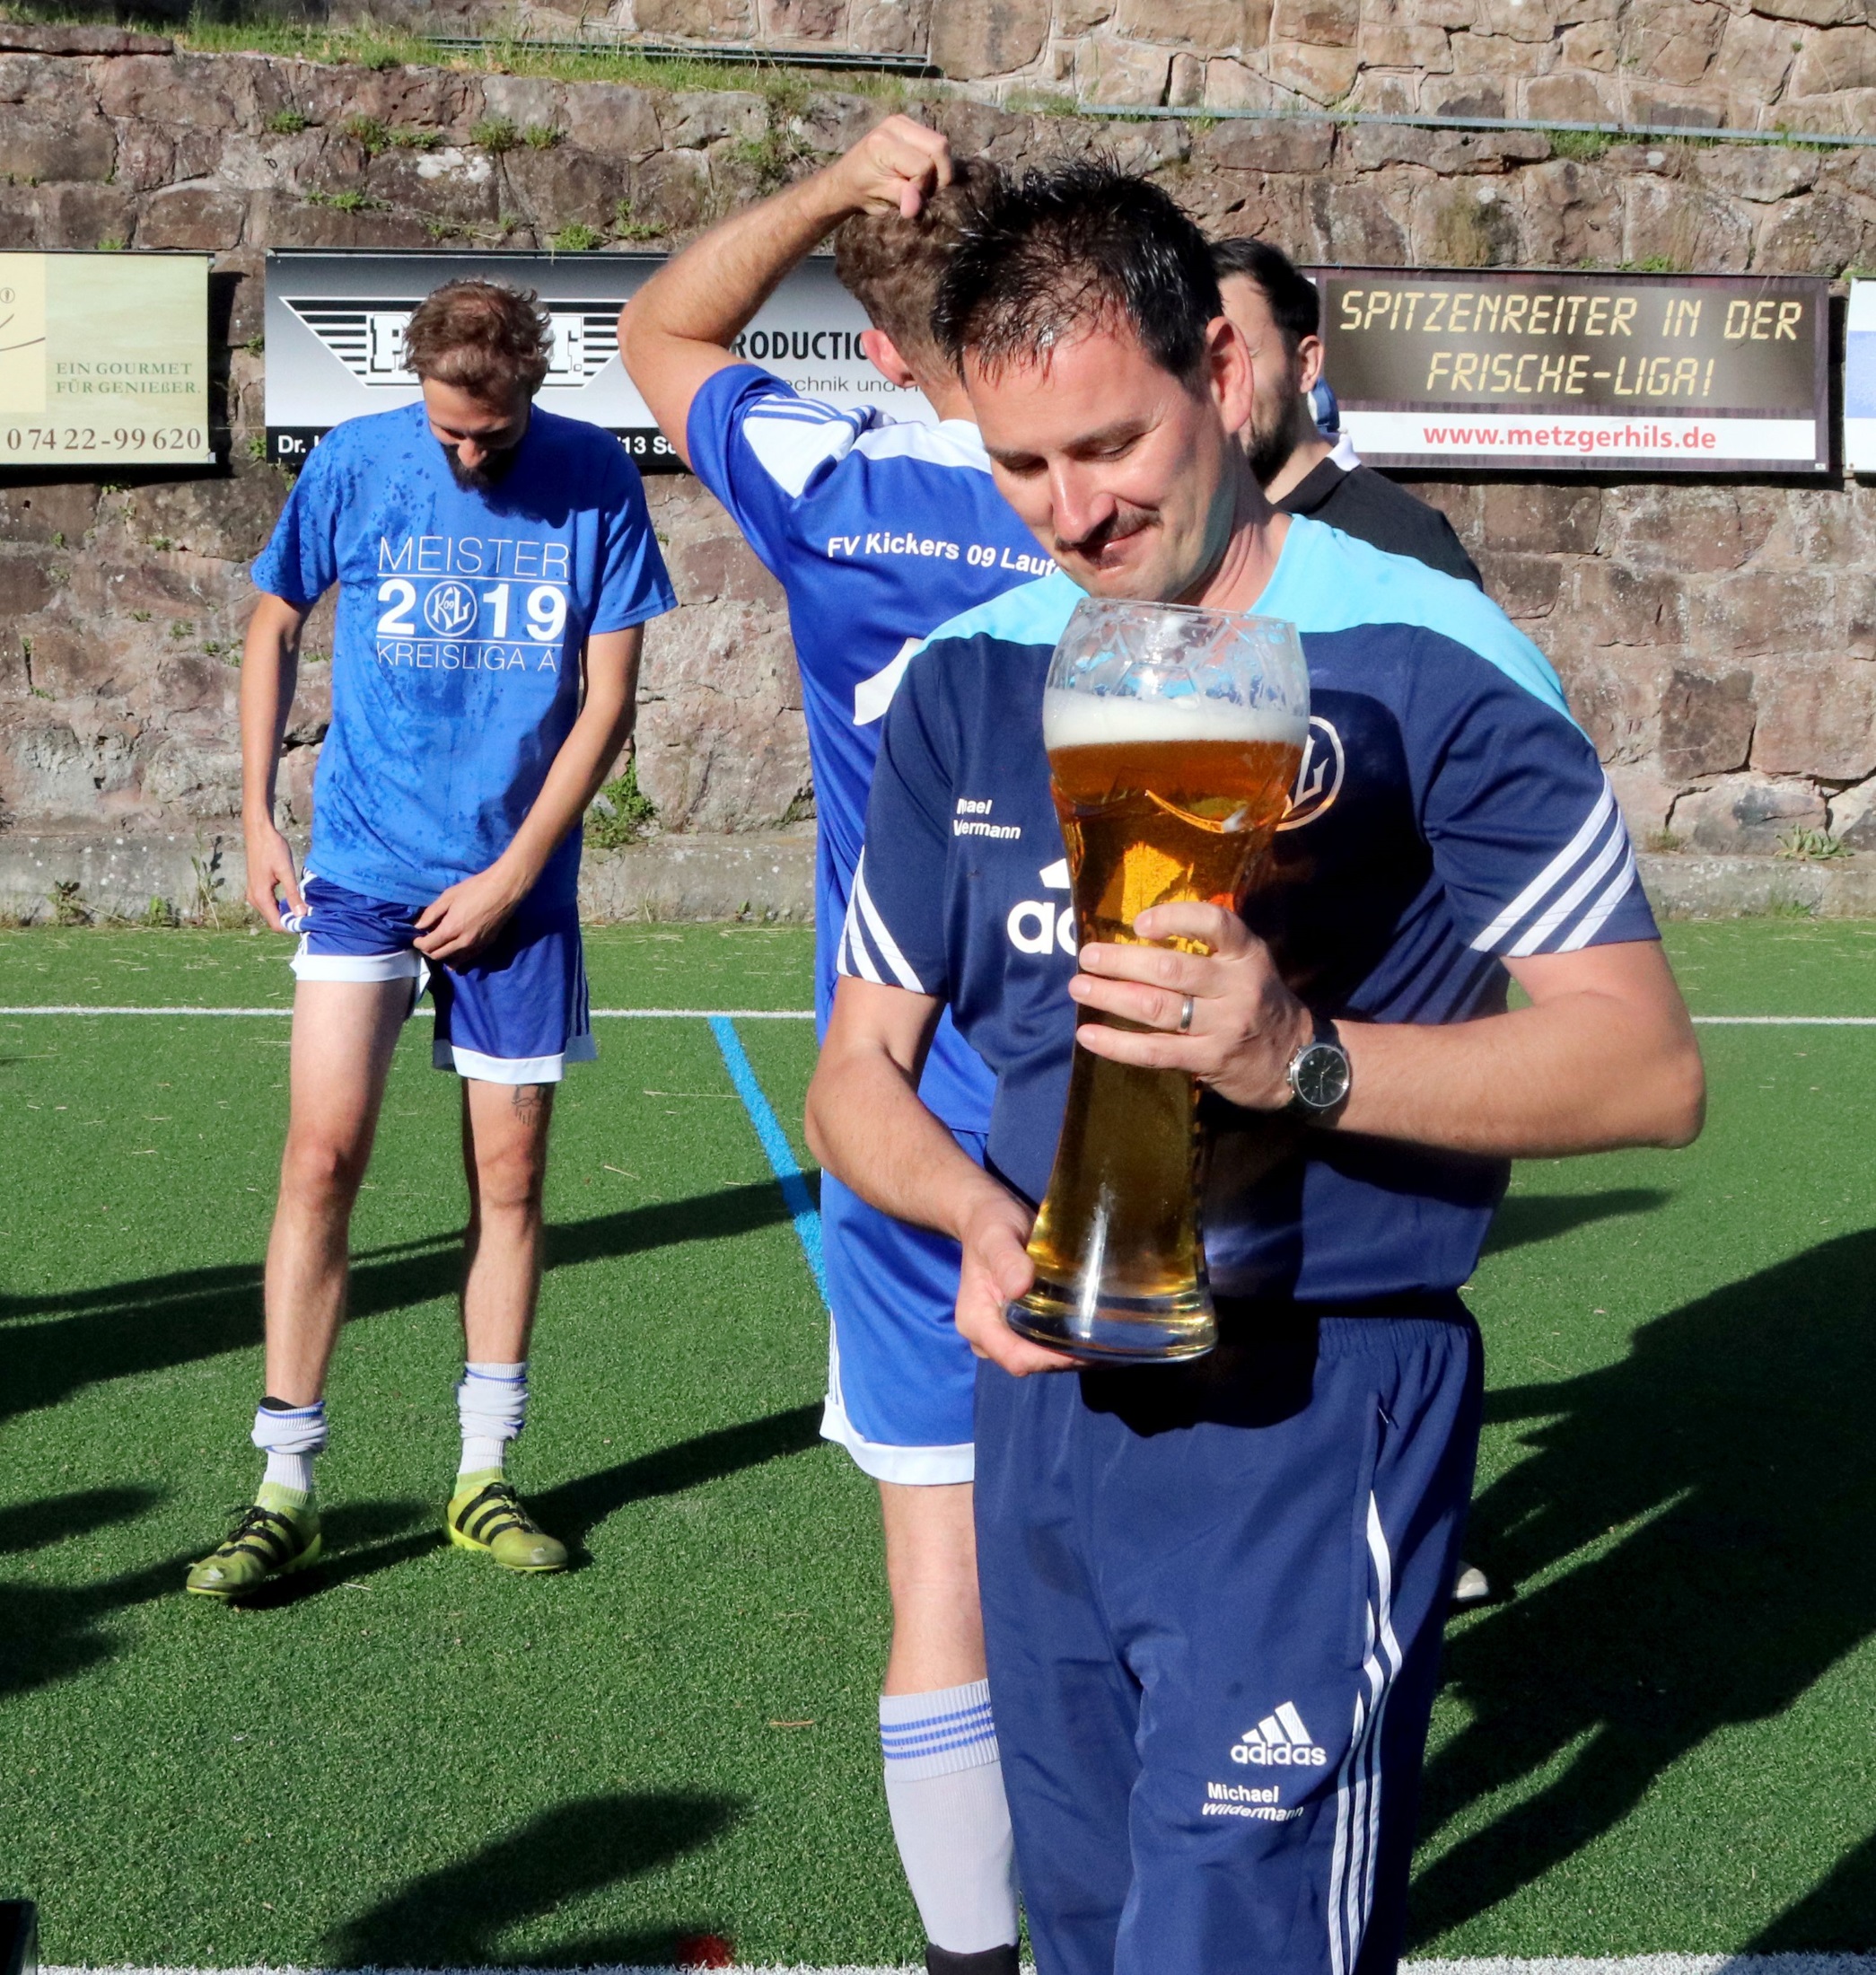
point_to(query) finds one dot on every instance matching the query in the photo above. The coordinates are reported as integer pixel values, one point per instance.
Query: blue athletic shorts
(1212, 1597)
(517, 1015)
(900, 1379)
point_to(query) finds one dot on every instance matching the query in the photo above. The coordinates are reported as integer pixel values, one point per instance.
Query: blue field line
(789, 1176)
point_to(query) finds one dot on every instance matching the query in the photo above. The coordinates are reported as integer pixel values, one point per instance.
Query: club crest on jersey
(1280, 1740)
(1043, 926)
(1319, 780)
(450, 608)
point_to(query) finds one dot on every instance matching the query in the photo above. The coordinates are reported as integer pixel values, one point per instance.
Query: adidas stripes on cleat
(484, 1514)
(274, 1538)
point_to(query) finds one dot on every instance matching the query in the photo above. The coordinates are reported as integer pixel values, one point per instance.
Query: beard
(495, 468)
(1270, 447)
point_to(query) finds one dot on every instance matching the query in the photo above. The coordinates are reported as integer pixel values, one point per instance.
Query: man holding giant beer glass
(1212, 1588)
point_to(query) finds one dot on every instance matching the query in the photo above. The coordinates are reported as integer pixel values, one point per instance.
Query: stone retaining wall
(1799, 64)
(1717, 638)
(200, 878)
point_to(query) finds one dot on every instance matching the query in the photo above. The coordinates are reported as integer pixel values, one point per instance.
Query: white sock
(944, 1787)
(492, 1403)
(290, 1436)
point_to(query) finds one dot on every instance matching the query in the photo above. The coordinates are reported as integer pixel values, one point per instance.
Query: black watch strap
(1320, 1073)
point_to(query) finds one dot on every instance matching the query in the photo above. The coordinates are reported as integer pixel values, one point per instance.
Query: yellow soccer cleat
(486, 1514)
(277, 1535)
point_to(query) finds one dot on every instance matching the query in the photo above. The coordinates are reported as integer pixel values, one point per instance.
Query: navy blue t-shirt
(1449, 815)
(879, 531)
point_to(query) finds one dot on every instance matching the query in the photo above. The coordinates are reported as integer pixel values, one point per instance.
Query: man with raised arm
(877, 530)
(1213, 1592)
(494, 563)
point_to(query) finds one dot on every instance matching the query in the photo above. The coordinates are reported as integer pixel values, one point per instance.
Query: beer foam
(1097, 720)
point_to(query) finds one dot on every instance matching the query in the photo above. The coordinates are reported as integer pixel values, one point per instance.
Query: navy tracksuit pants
(1212, 1598)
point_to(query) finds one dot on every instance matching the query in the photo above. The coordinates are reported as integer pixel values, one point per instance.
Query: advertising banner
(335, 329)
(1860, 380)
(1667, 373)
(104, 360)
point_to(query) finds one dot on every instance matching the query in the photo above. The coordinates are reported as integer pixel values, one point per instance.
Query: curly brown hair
(482, 336)
(892, 266)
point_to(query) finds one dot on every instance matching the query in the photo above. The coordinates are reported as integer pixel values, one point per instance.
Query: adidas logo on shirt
(1282, 1741)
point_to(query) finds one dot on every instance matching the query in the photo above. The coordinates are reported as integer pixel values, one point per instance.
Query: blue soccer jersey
(878, 531)
(462, 613)
(1449, 815)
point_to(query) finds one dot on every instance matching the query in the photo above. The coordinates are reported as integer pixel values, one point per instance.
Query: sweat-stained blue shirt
(462, 614)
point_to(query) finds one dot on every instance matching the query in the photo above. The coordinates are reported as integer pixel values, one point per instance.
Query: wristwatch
(1320, 1074)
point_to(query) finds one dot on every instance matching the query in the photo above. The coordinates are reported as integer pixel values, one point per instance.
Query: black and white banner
(334, 332)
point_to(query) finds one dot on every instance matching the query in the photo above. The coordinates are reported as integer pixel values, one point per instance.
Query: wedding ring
(1185, 1027)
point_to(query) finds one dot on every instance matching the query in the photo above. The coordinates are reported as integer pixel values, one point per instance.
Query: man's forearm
(1604, 1057)
(711, 290)
(675, 333)
(270, 666)
(868, 1127)
(1583, 1073)
(580, 769)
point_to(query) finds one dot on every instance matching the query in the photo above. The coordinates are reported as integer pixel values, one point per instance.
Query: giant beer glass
(1174, 738)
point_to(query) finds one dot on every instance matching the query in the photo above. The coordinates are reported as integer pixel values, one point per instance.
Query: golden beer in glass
(1174, 738)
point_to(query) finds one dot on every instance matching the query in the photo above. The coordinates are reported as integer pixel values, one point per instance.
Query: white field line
(1634, 1964)
(807, 1014)
(599, 1014)
(1783, 1022)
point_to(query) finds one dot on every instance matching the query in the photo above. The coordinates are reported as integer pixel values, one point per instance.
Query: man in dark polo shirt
(1301, 472)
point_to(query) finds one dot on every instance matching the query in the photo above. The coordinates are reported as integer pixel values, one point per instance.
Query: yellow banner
(103, 359)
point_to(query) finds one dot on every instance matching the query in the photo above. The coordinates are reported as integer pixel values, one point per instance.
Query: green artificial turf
(628, 966)
(1661, 1742)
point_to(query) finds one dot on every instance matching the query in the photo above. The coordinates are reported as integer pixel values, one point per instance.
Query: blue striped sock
(944, 1787)
(289, 1436)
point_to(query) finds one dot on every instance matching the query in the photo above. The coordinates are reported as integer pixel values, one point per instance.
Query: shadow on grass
(456, 1917)
(55, 1345)
(571, 1512)
(576, 1509)
(1837, 1916)
(1702, 1512)
(49, 1632)
(1526, 1219)
(33, 1526)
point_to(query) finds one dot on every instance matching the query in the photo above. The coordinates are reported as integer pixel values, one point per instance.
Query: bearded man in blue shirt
(1212, 1593)
(495, 566)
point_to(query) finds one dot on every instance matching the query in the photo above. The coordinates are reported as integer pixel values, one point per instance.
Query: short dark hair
(1069, 246)
(1296, 307)
(892, 266)
(482, 336)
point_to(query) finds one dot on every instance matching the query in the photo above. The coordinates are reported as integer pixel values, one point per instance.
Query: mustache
(1122, 521)
(494, 467)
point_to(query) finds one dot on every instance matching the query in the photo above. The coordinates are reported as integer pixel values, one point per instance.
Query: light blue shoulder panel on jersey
(952, 444)
(1324, 581)
(1033, 613)
(1327, 581)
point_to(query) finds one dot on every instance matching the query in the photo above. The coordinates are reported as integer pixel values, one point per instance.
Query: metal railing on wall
(737, 55)
(743, 53)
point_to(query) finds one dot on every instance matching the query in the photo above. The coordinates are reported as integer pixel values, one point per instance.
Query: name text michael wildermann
(486, 603)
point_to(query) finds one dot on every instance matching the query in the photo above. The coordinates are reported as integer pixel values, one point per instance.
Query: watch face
(1322, 1076)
